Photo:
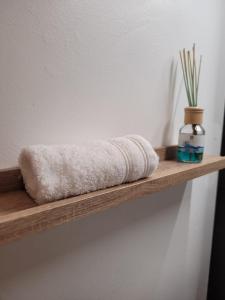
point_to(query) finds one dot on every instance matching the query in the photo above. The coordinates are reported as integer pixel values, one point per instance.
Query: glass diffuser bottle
(191, 136)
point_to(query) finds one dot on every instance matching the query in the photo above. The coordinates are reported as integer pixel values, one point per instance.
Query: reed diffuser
(191, 135)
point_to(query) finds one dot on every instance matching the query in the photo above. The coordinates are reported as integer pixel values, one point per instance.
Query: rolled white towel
(60, 171)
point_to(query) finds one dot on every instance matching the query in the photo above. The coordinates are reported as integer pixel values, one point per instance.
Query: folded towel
(60, 171)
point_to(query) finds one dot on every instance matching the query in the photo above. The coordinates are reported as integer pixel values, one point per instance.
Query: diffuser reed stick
(191, 74)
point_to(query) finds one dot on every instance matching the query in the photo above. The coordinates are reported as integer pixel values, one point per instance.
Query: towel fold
(60, 171)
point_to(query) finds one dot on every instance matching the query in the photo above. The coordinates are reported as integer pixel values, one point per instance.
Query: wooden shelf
(19, 215)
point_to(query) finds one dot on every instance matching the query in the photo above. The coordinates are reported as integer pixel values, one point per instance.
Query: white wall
(73, 70)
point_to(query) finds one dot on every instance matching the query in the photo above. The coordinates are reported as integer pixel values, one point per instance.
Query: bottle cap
(193, 115)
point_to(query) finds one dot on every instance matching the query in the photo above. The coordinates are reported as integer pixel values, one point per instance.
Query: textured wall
(72, 70)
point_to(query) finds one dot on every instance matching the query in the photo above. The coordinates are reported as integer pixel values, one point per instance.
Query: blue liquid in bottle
(191, 143)
(188, 153)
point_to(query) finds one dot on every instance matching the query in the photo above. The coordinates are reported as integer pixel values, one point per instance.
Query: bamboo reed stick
(191, 74)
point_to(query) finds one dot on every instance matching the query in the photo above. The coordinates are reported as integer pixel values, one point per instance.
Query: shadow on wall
(123, 236)
(174, 93)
